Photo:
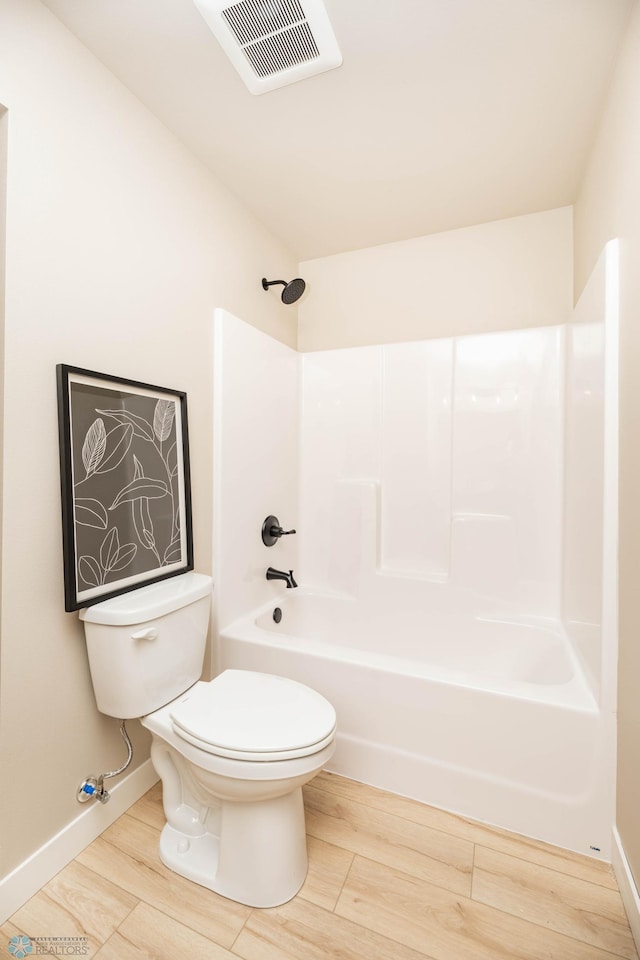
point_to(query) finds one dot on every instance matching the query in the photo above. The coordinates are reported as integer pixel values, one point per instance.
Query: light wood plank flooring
(389, 879)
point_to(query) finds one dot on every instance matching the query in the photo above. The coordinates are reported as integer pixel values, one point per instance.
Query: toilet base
(261, 860)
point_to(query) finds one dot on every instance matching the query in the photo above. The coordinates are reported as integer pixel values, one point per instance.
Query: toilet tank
(146, 647)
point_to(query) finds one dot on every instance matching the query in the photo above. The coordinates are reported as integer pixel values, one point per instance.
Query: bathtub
(488, 717)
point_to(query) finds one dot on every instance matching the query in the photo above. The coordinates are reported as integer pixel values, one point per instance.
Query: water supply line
(93, 787)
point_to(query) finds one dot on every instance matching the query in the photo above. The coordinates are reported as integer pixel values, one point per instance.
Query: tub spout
(282, 575)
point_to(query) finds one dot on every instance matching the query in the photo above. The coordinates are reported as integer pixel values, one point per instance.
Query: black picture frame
(125, 484)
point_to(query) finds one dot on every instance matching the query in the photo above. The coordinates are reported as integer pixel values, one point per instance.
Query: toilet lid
(242, 712)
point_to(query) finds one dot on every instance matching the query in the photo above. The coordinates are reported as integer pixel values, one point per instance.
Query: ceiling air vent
(273, 42)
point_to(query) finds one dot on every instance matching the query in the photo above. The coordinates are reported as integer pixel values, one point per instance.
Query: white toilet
(232, 753)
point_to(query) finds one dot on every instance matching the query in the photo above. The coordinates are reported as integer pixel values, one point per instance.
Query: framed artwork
(125, 484)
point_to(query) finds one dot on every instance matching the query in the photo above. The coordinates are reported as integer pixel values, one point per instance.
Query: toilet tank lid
(147, 603)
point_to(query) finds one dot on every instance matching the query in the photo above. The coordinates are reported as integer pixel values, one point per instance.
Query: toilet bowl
(233, 753)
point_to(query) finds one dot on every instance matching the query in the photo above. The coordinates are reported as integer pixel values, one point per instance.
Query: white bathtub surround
(453, 520)
(583, 507)
(255, 446)
(590, 521)
(462, 439)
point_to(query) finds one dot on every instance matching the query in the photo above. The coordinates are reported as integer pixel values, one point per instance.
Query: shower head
(292, 290)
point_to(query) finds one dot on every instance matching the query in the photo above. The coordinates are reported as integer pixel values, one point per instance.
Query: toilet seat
(244, 715)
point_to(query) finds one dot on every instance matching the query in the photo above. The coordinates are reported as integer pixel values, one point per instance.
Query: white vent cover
(273, 42)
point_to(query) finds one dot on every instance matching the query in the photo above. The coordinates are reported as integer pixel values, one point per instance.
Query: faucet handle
(272, 531)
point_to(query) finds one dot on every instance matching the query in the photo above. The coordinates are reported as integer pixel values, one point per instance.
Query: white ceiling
(445, 113)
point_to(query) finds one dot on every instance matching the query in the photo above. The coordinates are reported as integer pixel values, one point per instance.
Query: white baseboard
(23, 882)
(626, 883)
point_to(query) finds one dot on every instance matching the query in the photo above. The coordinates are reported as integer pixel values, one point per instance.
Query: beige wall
(608, 206)
(490, 277)
(3, 210)
(119, 246)
(3, 204)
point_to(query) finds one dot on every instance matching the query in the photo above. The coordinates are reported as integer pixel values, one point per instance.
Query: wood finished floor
(389, 879)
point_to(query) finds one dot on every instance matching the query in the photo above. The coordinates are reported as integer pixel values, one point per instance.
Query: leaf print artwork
(126, 497)
(117, 443)
(123, 557)
(109, 548)
(172, 460)
(163, 429)
(144, 524)
(91, 513)
(138, 469)
(90, 572)
(172, 552)
(141, 514)
(143, 487)
(94, 446)
(141, 427)
(163, 419)
(112, 558)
